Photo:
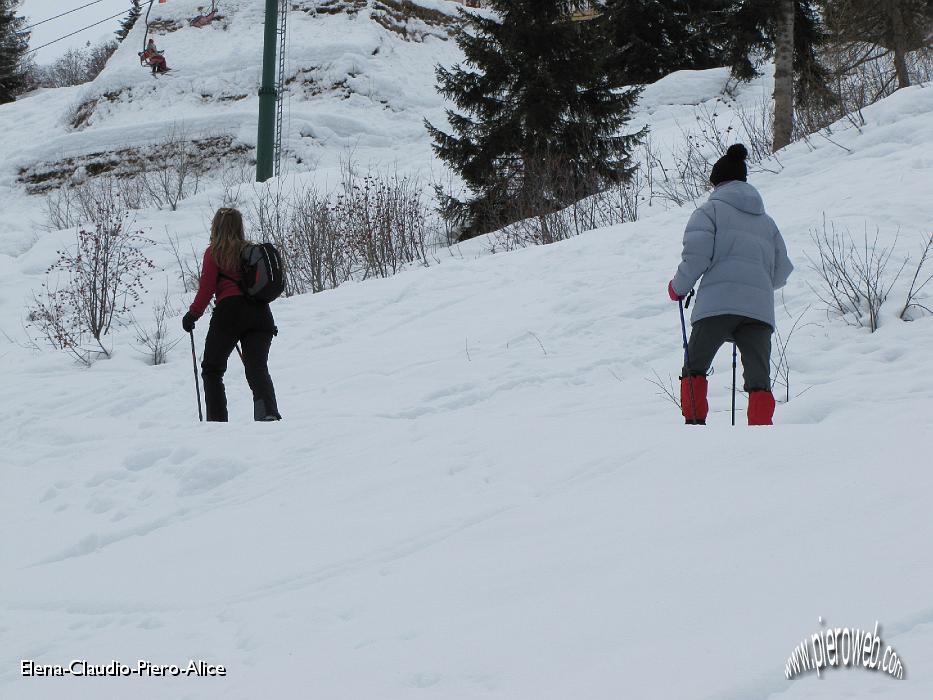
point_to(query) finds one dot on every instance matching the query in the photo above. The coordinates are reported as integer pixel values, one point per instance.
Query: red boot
(760, 408)
(698, 399)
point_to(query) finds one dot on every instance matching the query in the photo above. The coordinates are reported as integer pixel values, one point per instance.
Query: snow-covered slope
(359, 78)
(476, 493)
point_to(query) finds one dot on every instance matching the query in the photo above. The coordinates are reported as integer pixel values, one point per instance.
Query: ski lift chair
(204, 20)
(147, 61)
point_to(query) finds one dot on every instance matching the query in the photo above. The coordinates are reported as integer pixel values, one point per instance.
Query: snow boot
(760, 408)
(696, 397)
(265, 413)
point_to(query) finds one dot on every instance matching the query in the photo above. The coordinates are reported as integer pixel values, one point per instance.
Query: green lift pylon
(268, 96)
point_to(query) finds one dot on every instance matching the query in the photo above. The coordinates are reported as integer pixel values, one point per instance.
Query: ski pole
(733, 383)
(683, 329)
(197, 385)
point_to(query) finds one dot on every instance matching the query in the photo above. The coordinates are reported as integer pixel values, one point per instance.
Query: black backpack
(262, 275)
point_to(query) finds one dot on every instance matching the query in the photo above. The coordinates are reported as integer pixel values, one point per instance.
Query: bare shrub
(76, 66)
(859, 78)
(897, 29)
(69, 69)
(91, 284)
(756, 129)
(687, 176)
(539, 210)
(172, 171)
(85, 202)
(652, 167)
(544, 217)
(269, 209)
(233, 178)
(543, 229)
(681, 175)
(781, 365)
(189, 264)
(52, 318)
(861, 74)
(98, 57)
(132, 189)
(665, 391)
(617, 204)
(916, 286)
(854, 281)
(373, 225)
(384, 218)
(155, 339)
(65, 208)
(236, 177)
(319, 255)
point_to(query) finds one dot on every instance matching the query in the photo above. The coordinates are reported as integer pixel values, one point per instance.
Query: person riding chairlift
(204, 20)
(153, 57)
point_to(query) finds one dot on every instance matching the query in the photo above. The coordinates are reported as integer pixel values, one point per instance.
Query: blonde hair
(227, 239)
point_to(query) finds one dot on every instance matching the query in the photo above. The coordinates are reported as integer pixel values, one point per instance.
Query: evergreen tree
(14, 43)
(536, 118)
(652, 38)
(128, 22)
(791, 32)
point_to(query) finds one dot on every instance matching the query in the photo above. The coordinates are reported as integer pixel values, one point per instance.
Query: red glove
(670, 291)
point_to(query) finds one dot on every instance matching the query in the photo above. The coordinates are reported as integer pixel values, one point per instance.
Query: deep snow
(475, 491)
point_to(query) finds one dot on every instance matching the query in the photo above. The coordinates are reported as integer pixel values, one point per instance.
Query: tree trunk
(784, 76)
(899, 42)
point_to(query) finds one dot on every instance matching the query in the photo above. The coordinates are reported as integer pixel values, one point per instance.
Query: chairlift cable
(25, 29)
(55, 41)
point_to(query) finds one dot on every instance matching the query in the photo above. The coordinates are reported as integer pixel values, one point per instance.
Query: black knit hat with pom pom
(731, 166)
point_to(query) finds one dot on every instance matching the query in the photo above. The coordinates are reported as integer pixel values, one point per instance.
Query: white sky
(37, 10)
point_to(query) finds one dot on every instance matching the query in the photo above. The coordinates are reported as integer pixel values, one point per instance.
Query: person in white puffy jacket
(738, 251)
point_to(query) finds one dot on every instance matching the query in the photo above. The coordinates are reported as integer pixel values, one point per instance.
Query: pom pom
(737, 152)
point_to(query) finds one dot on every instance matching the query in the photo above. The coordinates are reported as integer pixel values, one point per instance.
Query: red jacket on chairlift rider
(154, 57)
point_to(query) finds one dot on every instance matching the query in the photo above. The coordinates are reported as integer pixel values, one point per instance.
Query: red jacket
(213, 283)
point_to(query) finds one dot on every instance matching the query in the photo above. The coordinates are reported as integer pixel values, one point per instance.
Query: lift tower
(269, 141)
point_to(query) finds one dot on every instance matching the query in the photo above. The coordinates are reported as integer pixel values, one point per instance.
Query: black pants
(250, 323)
(752, 337)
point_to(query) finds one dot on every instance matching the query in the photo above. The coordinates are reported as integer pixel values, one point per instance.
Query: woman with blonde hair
(235, 319)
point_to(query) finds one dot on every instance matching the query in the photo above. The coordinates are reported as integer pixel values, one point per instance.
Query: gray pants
(752, 337)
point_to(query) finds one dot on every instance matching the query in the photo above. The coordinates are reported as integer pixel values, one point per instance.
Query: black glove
(188, 322)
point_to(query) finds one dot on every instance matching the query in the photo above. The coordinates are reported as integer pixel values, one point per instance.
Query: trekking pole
(733, 383)
(683, 329)
(197, 385)
(238, 352)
